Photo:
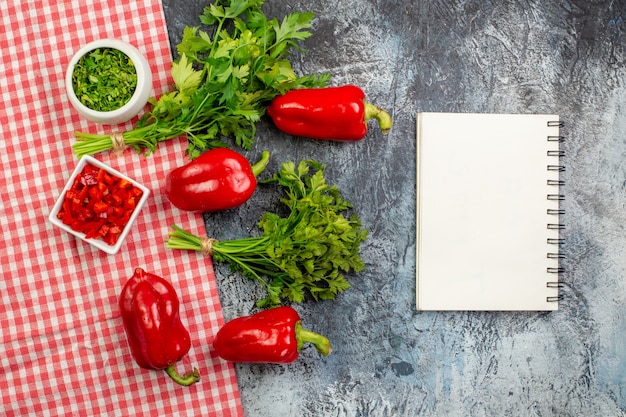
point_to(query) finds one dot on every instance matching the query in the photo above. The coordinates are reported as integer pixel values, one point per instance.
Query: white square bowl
(98, 243)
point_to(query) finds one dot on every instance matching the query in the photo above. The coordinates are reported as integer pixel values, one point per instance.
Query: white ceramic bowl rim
(128, 49)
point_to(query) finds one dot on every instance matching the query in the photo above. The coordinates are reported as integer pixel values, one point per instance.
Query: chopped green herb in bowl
(108, 81)
(104, 79)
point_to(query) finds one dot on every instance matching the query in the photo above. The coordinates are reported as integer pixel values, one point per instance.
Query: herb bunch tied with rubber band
(305, 252)
(224, 81)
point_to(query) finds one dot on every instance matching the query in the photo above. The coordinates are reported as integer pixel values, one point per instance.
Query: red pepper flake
(99, 204)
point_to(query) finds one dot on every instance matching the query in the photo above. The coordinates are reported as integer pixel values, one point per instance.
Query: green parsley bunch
(224, 81)
(306, 251)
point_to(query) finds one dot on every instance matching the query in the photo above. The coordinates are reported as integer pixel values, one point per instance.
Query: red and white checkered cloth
(63, 349)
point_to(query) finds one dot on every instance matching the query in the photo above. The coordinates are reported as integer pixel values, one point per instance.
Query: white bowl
(137, 101)
(98, 243)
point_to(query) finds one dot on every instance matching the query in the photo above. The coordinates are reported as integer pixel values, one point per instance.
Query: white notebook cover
(486, 211)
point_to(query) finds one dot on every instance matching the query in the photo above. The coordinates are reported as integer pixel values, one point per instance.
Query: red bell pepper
(332, 113)
(218, 179)
(157, 338)
(270, 336)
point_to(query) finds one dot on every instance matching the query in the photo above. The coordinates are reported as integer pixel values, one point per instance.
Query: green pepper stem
(261, 164)
(375, 112)
(321, 343)
(187, 379)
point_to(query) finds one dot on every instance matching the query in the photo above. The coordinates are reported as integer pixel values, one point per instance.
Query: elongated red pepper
(331, 113)
(218, 179)
(157, 338)
(270, 336)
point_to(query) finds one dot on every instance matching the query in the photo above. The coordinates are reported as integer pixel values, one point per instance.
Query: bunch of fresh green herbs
(224, 81)
(308, 251)
(104, 79)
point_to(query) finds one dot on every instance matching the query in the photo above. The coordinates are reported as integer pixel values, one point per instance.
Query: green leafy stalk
(224, 81)
(306, 252)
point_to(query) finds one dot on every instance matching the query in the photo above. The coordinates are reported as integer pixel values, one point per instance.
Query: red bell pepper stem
(384, 119)
(321, 343)
(260, 166)
(187, 379)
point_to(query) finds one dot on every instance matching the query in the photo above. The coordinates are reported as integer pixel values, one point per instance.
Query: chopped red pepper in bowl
(99, 204)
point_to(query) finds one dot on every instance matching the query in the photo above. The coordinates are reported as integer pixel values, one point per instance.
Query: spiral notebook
(488, 211)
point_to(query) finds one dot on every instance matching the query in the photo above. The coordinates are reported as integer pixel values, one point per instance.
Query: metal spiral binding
(556, 138)
(557, 212)
(557, 168)
(556, 123)
(556, 197)
(553, 241)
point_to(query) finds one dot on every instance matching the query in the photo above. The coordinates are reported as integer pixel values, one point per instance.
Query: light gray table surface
(564, 57)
